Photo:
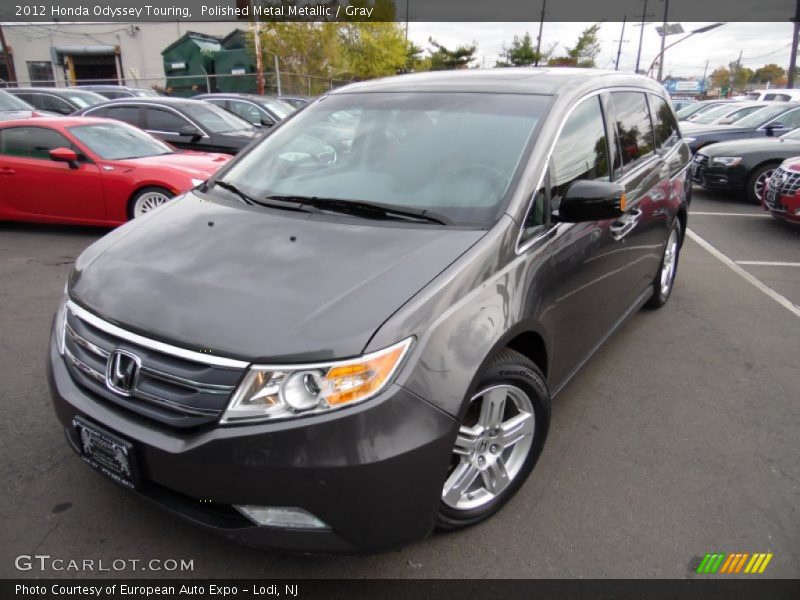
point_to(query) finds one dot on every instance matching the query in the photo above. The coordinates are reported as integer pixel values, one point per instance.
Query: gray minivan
(340, 342)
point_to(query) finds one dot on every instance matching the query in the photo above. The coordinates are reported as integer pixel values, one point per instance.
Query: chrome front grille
(786, 183)
(699, 166)
(172, 385)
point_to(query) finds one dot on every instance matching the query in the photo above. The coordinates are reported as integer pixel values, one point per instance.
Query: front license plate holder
(107, 453)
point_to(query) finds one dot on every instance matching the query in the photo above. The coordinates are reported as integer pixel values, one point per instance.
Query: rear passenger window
(126, 114)
(581, 151)
(164, 120)
(666, 126)
(634, 128)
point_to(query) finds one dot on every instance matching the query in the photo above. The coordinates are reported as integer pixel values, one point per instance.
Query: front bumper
(786, 208)
(373, 473)
(718, 177)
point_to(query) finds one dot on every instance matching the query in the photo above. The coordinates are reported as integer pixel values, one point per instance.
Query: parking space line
(728, 214)
(724, 259)
(767, 263)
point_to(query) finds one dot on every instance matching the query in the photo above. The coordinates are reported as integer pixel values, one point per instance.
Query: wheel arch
(527, 338)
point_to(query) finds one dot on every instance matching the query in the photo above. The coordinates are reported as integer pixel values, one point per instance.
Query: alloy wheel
(669, 263)
(491, 446)
(760, 184)
(147, 202)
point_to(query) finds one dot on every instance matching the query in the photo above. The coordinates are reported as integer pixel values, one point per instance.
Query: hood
(260, 284)
(754, 145)
(197, 164)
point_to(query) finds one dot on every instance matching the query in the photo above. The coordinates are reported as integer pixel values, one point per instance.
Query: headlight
(280, 392)
(60, 322)
(728, 161)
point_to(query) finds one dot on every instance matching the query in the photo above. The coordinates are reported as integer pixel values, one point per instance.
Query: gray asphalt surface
(680, 437)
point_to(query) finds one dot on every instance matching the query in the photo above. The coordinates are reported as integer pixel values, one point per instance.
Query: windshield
(84, 99)
(453, 154)
(214, 118)
(792, 135)
(9, 102)
(731, 111)
(762, 116)
(688, 111)
(280, 108)
(116, 141)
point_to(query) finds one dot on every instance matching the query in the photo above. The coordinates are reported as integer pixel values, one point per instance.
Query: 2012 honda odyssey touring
(352, 333)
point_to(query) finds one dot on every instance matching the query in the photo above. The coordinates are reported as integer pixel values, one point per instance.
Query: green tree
(415, 61)
(371, 49)
(770, 73)
(720, 77)
(741, 75)
(584, 52)
(521, 53)
(444, 58)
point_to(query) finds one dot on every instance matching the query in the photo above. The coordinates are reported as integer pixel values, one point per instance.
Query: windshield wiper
(250, 200)
(372, 210)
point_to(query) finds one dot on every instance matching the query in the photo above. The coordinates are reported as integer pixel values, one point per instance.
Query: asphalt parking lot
(680, 437)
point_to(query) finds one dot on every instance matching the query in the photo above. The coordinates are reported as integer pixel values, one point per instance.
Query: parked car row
(112, 160)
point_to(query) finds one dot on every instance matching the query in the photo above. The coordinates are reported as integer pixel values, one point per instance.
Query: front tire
(499, 442)
(665, 278)
(757, 182)
(147, 199)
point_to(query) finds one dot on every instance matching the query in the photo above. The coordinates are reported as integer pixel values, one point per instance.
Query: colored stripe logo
(733, 563)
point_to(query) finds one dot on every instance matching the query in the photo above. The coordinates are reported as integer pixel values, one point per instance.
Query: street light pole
(621, 36)
(641, 35)
(539, 39)
(663, 41)
(793, 57)
(660, 55)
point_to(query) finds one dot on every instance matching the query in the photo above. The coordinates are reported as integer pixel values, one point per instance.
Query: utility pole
(663, 41)
(257, 43)
(12, 74)
(703, 82)
(641, 35)
(734, 73)
(796, 34)
(541, 26)
(621, 39)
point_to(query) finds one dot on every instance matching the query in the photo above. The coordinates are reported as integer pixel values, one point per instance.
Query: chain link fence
(287, 84)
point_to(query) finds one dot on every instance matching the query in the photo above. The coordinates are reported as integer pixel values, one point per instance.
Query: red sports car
(782, 194)
(90, 171)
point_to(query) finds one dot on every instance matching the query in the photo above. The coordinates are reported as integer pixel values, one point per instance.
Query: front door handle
(625, 224)
(7, 171)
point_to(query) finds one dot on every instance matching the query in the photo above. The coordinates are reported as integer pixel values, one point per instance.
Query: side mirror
(587, 200)
(190, 131)
(771, 128)
(65, 155)
(266, 121)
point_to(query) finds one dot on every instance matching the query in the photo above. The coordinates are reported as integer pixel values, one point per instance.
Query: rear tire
(757, 182)
(665, 278)
(499, 442)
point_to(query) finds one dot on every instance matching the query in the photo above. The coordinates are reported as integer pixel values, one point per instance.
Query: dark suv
(338, 350)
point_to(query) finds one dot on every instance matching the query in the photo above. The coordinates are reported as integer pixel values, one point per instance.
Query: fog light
(282, 516)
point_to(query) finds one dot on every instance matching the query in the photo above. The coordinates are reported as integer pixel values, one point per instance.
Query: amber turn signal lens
(348, 383)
